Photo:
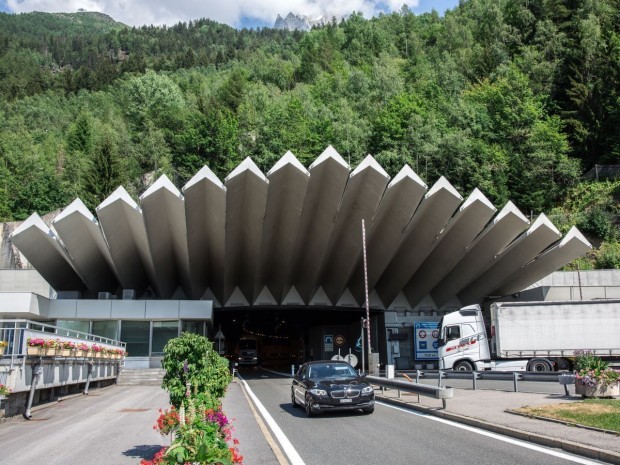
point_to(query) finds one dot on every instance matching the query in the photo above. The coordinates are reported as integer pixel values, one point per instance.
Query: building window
(74, 325)
(163, 331)
(108, 328)
(195, 327)
(136, 335)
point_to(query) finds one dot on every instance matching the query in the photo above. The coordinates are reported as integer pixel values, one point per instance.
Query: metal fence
(17, 332)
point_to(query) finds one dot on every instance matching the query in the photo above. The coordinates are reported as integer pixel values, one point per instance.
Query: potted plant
(3, 345)
(593, 377)
(81, 349)
(51, 347)
(67, 348)
(35, 345)
(4, 391)
(96, 351)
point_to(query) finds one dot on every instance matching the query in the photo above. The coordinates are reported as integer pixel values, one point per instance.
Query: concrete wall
(28, 280)
(58, 378)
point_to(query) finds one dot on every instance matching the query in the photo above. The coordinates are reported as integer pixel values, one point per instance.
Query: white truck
(247, 350)
(532, 336)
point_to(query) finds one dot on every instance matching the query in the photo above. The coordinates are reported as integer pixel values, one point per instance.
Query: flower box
(599, 390)
(81, 353)
(34, 350)
(50, 351)
(1, 351)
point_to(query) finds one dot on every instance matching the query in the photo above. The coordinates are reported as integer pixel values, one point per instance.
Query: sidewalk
(487, 410)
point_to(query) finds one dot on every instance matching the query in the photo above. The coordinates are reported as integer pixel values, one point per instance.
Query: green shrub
(190, 359)
(608, 256)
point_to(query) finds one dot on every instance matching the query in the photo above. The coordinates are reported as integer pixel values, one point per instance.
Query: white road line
(499, 437)
(287, 447)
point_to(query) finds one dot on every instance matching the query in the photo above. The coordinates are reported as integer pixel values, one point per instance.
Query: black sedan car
(328, 385)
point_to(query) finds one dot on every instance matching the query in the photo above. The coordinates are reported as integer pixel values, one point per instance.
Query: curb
(547, 441)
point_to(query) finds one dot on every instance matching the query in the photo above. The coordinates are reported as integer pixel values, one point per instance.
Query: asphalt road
(111, 426)
(389, 436)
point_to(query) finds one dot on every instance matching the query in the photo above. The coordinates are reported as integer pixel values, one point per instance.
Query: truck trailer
(532, 336)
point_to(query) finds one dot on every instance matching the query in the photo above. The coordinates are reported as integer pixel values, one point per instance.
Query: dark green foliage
(516, 98)
(191, 359)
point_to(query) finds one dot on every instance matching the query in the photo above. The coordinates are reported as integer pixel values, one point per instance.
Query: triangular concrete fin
(347, 299)
(320, 298)
(237, 299)
(293, 298)
(265, 298)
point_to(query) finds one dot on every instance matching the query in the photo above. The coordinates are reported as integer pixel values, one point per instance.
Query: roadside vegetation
(595, 413)
(196, 380)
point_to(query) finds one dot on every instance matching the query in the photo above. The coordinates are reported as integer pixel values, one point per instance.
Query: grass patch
(597, 413)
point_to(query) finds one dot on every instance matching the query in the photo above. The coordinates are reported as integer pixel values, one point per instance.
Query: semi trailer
(529, 336)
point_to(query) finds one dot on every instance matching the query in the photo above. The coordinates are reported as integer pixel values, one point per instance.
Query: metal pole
(515, 378)
(366, 288)
(362, 342)
(579, 281)
(89, 377)
(36, 372)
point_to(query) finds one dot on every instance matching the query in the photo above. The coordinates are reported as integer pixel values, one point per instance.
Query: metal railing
(512, 376)
(17, 332)
(437, 392)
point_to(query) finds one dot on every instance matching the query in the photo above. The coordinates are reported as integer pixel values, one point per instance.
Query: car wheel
(293, 401)
(309, 411)
(463, 365)
(368, 411)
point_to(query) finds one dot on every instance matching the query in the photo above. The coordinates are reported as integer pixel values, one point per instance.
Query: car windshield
(332, 371)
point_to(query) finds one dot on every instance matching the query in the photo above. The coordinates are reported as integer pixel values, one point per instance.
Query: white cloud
(158, 12)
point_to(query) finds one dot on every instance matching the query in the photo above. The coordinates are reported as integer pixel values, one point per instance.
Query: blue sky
(237, 13)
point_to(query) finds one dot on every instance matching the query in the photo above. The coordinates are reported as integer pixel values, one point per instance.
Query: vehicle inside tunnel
(279, 337)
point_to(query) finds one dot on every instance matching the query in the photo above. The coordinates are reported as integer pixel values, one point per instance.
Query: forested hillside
(518, 98)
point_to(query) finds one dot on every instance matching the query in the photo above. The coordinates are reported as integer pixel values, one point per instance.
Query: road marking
(499, 437)
(293, 457)
(261, 424)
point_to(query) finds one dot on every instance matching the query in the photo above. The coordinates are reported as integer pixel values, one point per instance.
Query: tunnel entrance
(291, 336)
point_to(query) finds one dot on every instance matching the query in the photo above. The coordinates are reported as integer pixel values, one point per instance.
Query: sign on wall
(328, 343)
(425, 336)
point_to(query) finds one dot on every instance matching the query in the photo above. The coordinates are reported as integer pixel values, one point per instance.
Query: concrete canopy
(84, 241)
(164, 217)
(294, 238)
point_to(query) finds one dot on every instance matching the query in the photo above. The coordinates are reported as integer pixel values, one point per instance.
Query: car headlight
(367, 390)
(318, 392)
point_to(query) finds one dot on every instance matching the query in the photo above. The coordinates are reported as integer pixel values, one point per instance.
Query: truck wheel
(463, 365)
(539, 364)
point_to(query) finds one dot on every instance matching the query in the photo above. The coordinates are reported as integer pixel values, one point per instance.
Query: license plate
(346, 401)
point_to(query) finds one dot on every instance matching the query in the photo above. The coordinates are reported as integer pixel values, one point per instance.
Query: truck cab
(462, 343)
(247, 351)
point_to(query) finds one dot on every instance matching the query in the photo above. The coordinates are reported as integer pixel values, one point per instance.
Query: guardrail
(474, 376)
(437, 392)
